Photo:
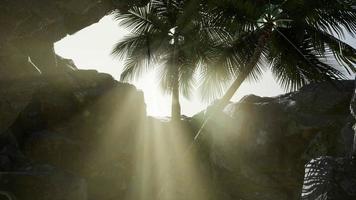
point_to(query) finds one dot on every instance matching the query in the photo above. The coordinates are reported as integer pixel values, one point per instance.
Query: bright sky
(91, 48)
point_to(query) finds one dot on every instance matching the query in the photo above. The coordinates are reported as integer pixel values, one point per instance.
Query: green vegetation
(294, 38)
(298, 40)
(171, 35)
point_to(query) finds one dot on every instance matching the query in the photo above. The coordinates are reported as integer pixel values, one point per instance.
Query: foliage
(304, 45)
(220, 40)
(163, 34)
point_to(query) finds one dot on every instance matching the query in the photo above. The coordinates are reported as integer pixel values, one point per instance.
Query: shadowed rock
(330, 178)
(29, 28)
(258, 147)
(81, 124)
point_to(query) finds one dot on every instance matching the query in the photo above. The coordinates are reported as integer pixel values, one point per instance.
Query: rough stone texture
(72, 134)
(353, 112)
(328, 178)
(30, 27)
(62, 118)
(258, 147)
(43, 183)
(80, 126)
(85, 128)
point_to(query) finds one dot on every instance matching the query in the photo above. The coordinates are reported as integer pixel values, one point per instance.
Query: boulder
(43, 182)
(15, 98)
(258, 147)
(330, 179)
(29, 28)
(82, 124)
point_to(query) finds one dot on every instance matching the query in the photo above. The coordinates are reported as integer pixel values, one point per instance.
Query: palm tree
(169, 34)
(295, 38)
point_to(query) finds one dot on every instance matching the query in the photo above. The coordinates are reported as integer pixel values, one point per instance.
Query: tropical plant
(171, 34)
(298, 40)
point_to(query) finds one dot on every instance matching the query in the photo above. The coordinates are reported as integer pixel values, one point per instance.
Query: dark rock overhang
(30, 27)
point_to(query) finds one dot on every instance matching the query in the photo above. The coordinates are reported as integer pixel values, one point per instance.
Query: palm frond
(296, 64)
(212, 29)
(128, 44)
(332, 16)
(166, 72)
(213, 82)
(140, 53)
(186, 77)
(343, 53)
(140, 20)
(218, 68)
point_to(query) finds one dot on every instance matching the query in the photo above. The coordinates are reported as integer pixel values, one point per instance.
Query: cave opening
(91, 47)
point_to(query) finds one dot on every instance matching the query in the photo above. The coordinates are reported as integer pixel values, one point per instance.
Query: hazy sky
(90, 48)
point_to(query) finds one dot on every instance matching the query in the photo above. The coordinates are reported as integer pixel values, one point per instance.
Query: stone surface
(258, 147)
(88, 129)
(331, 178)
(328, 178)
(43, 183)
(71, 137)
(74, 134)
(30, 27)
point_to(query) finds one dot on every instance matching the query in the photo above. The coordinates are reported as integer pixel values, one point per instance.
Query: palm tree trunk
(262, 41)
(176, 112)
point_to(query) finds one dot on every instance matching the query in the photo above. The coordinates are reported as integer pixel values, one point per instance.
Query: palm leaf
(296, 64)
(343, 53)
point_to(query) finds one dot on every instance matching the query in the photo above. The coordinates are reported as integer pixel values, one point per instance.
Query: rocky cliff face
(332, 177)
(30, 27)
(258, 147)
(55, 132)
(75, 135)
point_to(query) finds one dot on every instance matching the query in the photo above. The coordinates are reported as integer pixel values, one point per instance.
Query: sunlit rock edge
(85, 128)
(77, 135)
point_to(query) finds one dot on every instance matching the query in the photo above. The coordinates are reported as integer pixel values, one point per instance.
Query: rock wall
(72, 134)
(258, 147)
(56, 132)
(332, 178)
(78, 134)
(30, 27)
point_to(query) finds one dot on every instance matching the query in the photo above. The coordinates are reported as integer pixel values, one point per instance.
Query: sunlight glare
(91, 48)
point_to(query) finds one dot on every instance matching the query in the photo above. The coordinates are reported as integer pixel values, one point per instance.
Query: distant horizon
(90, 48)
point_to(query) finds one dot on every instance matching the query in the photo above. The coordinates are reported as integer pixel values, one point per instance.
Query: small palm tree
(171, 34)
(295, 38)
